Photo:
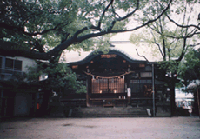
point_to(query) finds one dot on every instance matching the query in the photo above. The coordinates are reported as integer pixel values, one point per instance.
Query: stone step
(108, 112)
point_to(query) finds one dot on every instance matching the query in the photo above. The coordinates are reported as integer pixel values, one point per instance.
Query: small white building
(16, 99)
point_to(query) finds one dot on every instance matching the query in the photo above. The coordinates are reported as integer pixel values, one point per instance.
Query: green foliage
(169, 66)
(170, 42)
(138, 38)
(57, 77)
(44, 25)
(190, 69)
(80, 87)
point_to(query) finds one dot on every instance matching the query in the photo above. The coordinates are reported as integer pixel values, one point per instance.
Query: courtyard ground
(101, 128)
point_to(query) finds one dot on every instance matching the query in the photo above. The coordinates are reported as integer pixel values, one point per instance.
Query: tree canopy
(42, 29)
(190, 69)
(170, 39)
(56, 77)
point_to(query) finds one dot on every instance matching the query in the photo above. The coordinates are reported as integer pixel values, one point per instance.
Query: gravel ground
(102, 128)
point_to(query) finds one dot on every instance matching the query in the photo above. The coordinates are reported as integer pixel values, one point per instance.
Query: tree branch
(172, 43)
(142, 56)
(13, 49)
(10, 27)
(146, 23)
(193, 45)
(184, 26)
(131, 13)
(104, 11)
(113, 10)
(178, 37)
(183, 53)
(157, 44)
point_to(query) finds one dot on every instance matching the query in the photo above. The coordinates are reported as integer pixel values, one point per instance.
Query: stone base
(108, 112)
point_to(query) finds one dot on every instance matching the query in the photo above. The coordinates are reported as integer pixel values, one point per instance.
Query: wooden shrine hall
(114, 79)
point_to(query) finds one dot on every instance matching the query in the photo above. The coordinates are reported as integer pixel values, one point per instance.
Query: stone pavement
(102, 128)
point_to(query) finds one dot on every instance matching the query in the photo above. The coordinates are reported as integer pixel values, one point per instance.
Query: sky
(121, 42)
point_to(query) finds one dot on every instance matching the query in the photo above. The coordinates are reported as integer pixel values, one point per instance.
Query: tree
(190, 68)
(171, 43)
(57, 77)
(61, 76)
(65, 24)
(187, 69)
(190, 73)
(42, 29)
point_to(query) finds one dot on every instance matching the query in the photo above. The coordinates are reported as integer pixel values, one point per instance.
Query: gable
(113, 63)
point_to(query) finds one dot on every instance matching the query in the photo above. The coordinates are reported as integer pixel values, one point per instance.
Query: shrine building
(116, 80)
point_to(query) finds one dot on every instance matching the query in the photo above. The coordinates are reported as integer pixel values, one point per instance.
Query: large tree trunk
(47, 86)
(45, 104)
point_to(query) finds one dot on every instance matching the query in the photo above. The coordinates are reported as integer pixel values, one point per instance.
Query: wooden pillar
(88, 85)
(153, 91)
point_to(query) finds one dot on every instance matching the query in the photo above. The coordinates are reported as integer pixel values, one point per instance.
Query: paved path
(102, 128)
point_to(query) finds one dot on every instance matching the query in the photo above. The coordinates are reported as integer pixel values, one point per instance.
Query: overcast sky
(121, 42)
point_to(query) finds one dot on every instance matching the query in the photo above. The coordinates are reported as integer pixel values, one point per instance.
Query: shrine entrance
(108, 91)
(107, 85)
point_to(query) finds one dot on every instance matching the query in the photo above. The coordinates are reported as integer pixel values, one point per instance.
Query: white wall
(27, 62)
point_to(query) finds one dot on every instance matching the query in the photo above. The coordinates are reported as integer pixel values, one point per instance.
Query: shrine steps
(108, 112)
